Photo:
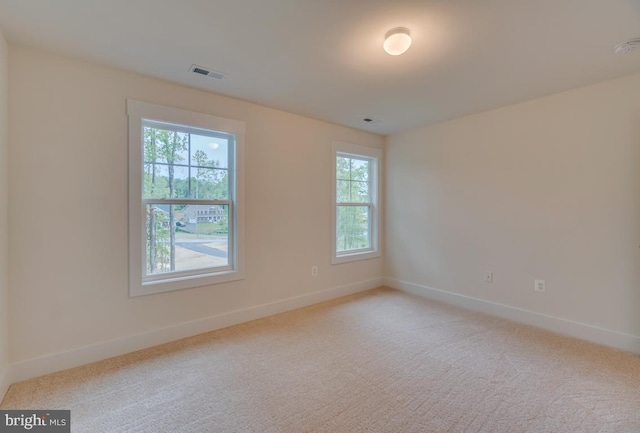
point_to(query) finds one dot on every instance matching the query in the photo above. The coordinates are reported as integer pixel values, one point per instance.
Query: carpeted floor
(381, 361)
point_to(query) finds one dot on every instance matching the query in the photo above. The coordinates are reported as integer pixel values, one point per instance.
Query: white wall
(4, 225)
(547, 189)
(68, 196)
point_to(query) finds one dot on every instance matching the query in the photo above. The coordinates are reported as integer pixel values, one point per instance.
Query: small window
(355, 202)
(183, 169)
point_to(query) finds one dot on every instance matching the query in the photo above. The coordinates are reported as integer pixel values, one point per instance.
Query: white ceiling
(324, 58)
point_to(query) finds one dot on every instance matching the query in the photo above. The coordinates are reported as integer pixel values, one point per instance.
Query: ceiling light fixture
(627, 47)
(397, 41)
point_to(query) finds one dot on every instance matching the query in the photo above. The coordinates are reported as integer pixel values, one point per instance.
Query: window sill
(354, 257)
(172, 284)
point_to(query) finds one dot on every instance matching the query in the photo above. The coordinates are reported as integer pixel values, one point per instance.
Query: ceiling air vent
(206, 72)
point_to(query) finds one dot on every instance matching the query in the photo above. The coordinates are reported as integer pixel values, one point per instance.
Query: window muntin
(185, 193)
(356, 193)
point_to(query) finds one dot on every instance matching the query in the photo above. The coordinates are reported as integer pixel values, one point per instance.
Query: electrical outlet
(540, 286)
(314, 271)
(488, 277)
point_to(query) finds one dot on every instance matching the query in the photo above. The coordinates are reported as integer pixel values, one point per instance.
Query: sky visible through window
(215, 148)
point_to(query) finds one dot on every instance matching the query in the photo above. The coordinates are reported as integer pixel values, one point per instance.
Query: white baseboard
(4, 382)
(107, 349)
(595, 334)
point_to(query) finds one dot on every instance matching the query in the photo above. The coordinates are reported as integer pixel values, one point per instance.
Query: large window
(355, 197)
(185, 213)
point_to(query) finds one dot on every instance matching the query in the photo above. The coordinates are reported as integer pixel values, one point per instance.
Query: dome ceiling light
(397, 41)
(627, 47)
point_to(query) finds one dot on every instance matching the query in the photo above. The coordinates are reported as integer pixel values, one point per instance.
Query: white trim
(179, 116)
(583, 331)
(107, 349)
(5, 381)
(138, 286)
(375, 155)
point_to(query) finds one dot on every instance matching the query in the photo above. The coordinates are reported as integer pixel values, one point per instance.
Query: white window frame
(374, 155)
(138, 112)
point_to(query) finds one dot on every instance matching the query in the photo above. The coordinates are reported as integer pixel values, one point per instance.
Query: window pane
(360, 192)
(209, 183)
(359, 170)
(209, 151)
(352, 192)
(352, 228)
(343, 192)
(165, 181)
(186, 237)
(343, 168)
(161, 145)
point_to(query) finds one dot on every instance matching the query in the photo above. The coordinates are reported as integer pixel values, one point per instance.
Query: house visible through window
(356, 194)
(184, 204)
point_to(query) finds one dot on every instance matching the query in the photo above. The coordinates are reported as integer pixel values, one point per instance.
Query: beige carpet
(381, 361)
